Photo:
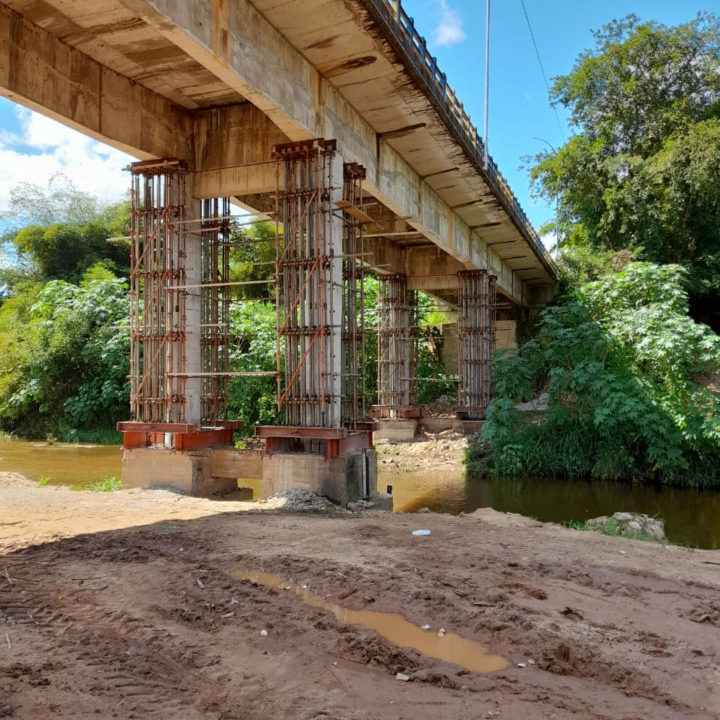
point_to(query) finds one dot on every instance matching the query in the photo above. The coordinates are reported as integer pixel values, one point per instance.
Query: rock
(627, 523)
(538, 404)
(598, 523)
(403, 677)
(361, 505)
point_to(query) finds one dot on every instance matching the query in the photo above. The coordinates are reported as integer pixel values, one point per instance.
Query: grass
(110, 483)
(43, 481)
(610, 528)
(98, 436)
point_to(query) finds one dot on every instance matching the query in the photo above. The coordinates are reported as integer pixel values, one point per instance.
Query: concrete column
(334, 293)
(193, 331)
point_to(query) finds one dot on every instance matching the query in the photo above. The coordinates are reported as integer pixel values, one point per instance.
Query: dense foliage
(625, 369)
(63, 317)
(642, 172)
(64, 365)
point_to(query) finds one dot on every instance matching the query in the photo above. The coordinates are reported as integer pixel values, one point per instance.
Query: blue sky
(519, 109)
(33, 148)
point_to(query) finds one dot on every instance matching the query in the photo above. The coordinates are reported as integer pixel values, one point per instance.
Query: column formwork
(319, 302)
(179, 312)
(158, 250)
(397, 350)
(476, 342)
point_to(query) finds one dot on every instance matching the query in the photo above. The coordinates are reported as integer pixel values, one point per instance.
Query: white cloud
(90, 165)
(549, 240)
(450, 28)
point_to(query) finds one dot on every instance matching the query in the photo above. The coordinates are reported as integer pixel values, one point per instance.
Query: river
(691, 517)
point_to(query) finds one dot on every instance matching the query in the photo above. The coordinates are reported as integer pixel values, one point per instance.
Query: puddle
(393, 627)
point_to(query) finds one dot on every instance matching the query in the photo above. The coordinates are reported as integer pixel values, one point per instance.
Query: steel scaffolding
(320, 288)
(476, 341)
(162, 238)
(157, 310)
(215, 230)
(397, 349)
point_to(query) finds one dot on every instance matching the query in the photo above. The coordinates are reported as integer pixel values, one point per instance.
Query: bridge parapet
(402, 33)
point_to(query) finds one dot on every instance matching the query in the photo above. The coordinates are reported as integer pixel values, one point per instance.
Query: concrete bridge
(216, 85)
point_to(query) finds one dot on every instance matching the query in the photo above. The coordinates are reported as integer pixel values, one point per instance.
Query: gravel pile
(301, 501)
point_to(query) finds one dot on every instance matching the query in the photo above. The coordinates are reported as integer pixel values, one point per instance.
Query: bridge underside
(212, 87)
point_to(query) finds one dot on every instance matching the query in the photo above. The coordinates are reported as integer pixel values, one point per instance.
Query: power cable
(542, 67)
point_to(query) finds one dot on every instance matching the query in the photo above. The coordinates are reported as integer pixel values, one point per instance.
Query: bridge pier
(179, 331)
(397, 412)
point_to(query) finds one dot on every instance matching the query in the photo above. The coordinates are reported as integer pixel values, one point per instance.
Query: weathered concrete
(400, 430)
(436, 425)
(240, 464)
(188, 472)
(505, 334)
(159, 78)
(340, 479)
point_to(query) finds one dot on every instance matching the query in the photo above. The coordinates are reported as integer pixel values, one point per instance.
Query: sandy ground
(427, 451)
(128, 605)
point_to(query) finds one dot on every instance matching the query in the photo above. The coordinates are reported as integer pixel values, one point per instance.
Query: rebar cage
(476, 342)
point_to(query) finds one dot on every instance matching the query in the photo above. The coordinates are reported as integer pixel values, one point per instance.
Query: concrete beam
(233, 145)
(41, 72)
(238, 45)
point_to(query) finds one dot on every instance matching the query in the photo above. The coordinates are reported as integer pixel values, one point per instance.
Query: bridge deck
(355, 70)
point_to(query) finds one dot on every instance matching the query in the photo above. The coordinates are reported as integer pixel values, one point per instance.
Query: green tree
(60, 232)
(252, 259)
(66, 355)
(642, 172)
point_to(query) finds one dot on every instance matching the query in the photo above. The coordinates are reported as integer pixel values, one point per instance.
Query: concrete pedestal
(399, 430)
(343, 479)
(215, 471)
(200, 473)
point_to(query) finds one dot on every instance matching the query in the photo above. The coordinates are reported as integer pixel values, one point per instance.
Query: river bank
(134, 604)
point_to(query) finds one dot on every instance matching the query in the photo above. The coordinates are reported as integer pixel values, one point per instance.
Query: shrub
(618, 357)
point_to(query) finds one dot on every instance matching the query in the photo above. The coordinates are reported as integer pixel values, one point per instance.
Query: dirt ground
(127, 605)
(425, 452)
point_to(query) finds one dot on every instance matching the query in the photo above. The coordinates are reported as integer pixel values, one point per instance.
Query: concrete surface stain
(393, 627)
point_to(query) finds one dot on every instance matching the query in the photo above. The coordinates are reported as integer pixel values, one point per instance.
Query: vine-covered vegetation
(626, 370)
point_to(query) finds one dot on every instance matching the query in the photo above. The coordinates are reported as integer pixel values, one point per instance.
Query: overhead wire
(542, 67)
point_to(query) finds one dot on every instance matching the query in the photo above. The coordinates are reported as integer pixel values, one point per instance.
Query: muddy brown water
(431, 642)
(691, 517)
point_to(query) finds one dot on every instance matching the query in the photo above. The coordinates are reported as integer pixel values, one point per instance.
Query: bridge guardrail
(403, 28)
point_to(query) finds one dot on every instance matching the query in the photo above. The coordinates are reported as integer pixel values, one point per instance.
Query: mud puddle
(393, 627)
